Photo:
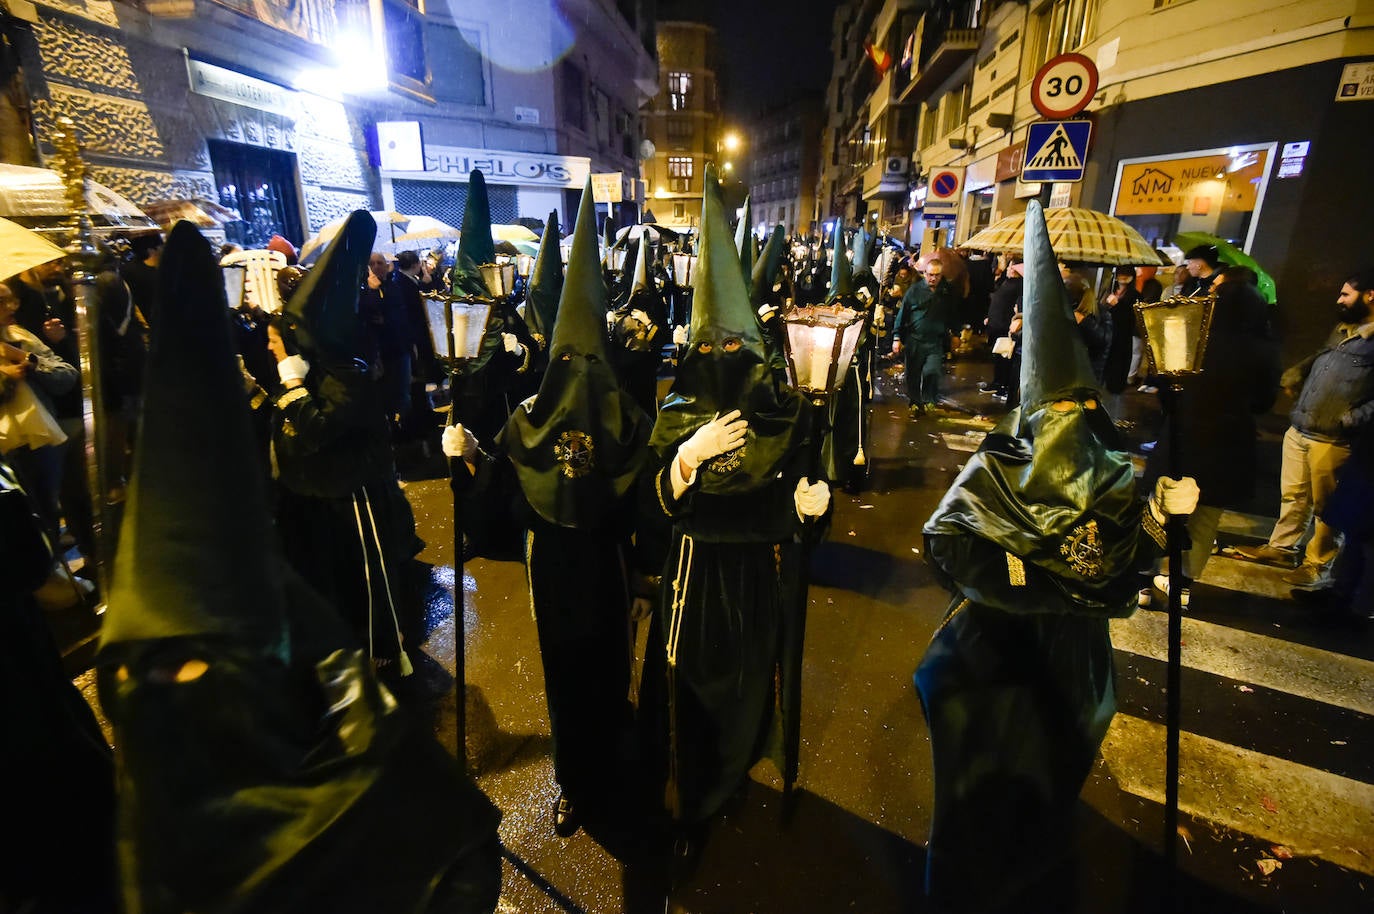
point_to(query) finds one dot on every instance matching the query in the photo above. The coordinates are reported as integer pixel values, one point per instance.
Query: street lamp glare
(731, 143)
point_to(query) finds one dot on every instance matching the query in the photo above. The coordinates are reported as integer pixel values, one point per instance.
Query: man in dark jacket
(1336, 402)
(1001, 308)
(928, 308)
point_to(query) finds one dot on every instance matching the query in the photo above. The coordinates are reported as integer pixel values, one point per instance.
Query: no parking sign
(944, 191)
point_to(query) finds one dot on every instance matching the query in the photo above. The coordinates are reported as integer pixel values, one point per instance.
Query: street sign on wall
(943, 193)
(1056, 150)
(1064, 86)
(606, 187)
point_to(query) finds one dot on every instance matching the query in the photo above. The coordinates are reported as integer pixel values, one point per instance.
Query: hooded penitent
(841, 273)
(766, 269)
(726, 367)
(578, 444)
(546, 284)
(261, 766)
(1037, 539)
(322, 314)
(744, 241)
(475, 246)
(631, 332)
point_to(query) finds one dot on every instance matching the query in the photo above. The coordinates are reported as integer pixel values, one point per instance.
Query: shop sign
(1357, 82)
(1229, 180)
(1291, 159)
(917, 198)
(1061, 194)
(606, 188)
(457, 163)
(241, 89)
(1009, 162)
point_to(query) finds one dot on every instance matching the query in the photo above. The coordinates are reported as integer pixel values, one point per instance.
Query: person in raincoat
(730, 475)
(574, 452)
(261, 765)
(1039, 540)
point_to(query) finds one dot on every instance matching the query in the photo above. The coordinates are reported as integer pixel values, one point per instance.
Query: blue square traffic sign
(1056, 150)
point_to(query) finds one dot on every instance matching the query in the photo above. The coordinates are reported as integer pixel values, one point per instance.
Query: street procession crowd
(257, 651)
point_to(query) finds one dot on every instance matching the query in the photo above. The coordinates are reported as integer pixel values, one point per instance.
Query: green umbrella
(1232, 255)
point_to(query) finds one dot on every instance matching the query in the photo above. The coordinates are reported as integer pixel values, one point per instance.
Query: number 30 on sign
(1064, 86)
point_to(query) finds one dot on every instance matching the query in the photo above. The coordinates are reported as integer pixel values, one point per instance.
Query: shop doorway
(260, 185)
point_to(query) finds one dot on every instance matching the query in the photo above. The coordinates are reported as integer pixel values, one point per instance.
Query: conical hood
(720, 299)
(196, 550)
(578, 444)
(744, 240)
(607, 232)
(766, 270)
(546, 283)
(1054, 360)
(862, 242)
(841, 271)
(726, 366)
(475, 246)
(323, 310)
(641, 279)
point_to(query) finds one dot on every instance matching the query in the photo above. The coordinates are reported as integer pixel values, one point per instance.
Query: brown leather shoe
(1268, 555)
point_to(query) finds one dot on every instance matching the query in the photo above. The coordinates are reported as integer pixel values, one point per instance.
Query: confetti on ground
(1338, 742)
(1280, 852)
(1246, 689)
(1268, 804)
(1267, 866)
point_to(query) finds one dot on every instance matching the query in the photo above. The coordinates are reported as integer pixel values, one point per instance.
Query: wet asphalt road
(854, 840)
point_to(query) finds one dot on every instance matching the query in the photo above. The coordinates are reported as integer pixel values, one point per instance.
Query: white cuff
(292, 368)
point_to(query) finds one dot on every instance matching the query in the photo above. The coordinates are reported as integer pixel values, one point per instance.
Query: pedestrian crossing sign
(1056, 150)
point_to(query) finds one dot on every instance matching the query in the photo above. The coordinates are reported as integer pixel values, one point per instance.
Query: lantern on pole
(684, 266)
(1176, 331)
(235, 283)
(524, 265)
(499, 277)
(819, 342)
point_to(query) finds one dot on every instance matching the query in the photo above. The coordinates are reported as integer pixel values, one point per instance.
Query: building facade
(272, 109)
(784, 165)
(682, 122)
(1250, 137)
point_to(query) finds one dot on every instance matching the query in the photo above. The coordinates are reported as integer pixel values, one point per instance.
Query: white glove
(721, 434)
(511, 343)
(459, 442)
(641, 316)
(610, 318)
(680, 335)
(1173, 497)
(811, 498)
(766, 312)
(292, 368)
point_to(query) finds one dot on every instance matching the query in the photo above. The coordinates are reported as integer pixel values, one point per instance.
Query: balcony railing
(942, 51)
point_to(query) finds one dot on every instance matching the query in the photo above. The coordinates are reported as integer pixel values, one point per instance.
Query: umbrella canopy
(1083, 235)
(389, 225)
(426, 228)
(1231, 255)
(198, 211)
(35, 197)
(513, 233)
(21, 249)
(657, 233)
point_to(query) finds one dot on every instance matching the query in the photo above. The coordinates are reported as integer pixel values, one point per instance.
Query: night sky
(771, 51)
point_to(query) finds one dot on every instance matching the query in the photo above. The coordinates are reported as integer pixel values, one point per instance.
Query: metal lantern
(820, 342)
(616, 259)
(524, 265)
(684, 265)
(456, 327)
(1176, 331)
(235, 279)
(499, 277)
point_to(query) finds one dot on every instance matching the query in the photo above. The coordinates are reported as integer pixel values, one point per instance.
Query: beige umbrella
(389, 225)
(513, 233)
(1075, 234)
(36, 196)
(196, 210)
(21, 249)
(426, 228)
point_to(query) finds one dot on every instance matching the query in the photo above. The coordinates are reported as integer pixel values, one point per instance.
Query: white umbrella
(389, 225)
(426, 228)
(37, 196)
(21, 249)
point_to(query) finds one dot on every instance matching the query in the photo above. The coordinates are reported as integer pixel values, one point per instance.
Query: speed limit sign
(1064, 86)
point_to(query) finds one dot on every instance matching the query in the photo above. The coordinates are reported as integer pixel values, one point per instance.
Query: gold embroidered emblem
(1083, 550)
(1016, 571)
(576, 453)
(728, 462)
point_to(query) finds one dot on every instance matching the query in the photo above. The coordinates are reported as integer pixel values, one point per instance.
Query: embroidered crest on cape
(1083, 550)
(576, 453)
(728, 462)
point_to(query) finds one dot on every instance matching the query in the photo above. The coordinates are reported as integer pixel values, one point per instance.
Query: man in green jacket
(923, 323)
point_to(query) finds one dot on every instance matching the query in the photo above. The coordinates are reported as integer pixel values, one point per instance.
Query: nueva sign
(1196, 184)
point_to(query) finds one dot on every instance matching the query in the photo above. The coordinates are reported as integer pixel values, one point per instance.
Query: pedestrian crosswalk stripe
(1313, 812)
(1308, 672)
(1056, 152)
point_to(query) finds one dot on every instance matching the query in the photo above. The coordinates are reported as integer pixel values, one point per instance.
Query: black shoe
(565, 818)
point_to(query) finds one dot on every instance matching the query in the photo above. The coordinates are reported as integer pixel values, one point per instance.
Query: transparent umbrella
(36, 198)
(21, 249)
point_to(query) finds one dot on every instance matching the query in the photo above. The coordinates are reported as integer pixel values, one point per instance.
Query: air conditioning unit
(896, 165)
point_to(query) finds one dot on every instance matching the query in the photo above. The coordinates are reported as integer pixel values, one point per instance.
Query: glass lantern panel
(1174, 333)
(469, 326)
(235, 276)
(436, 310)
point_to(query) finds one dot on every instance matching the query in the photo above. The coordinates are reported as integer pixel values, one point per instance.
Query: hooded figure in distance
(730, 476)
(1039, 539)
(261, 766)
(639, 330)
(843, 453)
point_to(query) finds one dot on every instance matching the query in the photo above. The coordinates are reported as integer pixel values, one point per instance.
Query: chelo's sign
(457, 163)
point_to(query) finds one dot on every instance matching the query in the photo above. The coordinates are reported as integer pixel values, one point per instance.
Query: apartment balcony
(942, 54)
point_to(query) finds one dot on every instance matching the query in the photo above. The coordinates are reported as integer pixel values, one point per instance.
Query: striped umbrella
(1083, 235)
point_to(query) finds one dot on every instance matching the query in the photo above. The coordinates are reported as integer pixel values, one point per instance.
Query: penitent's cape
(726, 368)
(578, 444)
(261, 766)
